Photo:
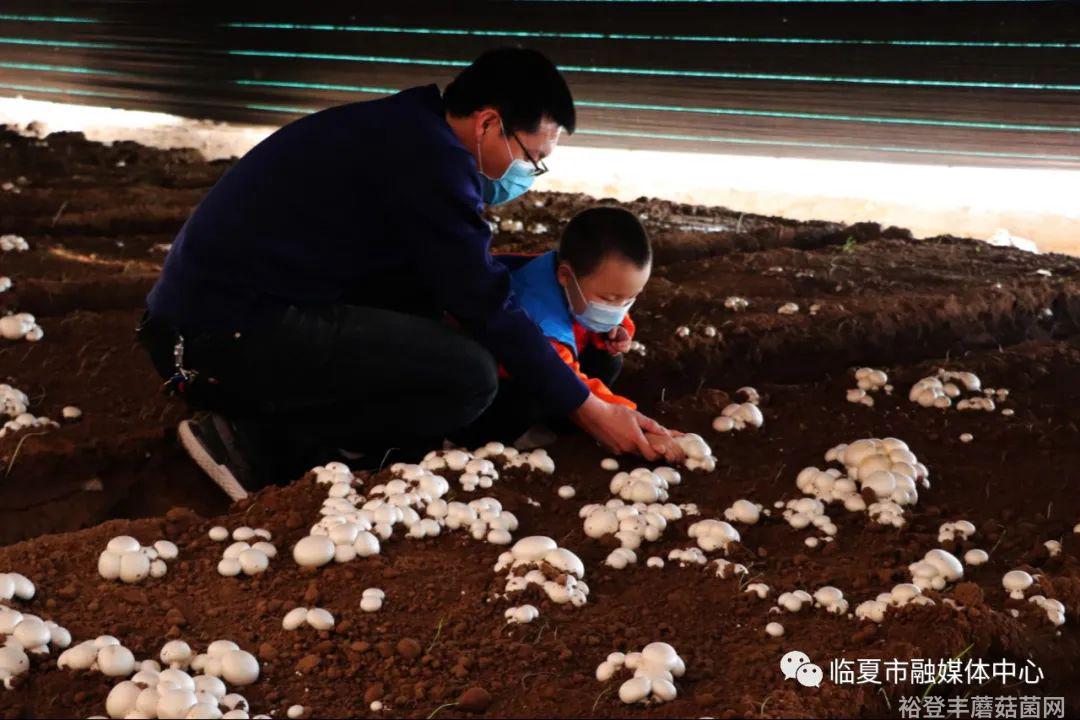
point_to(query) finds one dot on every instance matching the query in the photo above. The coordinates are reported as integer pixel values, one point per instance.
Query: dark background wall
(923, 81)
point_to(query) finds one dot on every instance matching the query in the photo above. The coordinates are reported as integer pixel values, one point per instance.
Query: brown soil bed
(908, 307)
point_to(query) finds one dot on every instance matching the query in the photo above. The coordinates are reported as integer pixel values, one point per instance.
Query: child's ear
(562, 274)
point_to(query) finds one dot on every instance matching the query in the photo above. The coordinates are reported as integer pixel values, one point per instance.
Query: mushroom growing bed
(426, 620)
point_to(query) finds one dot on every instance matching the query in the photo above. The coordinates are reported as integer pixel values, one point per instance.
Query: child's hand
(617, 341)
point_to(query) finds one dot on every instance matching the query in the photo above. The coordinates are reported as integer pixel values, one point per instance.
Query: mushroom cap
(1017, 580)
(115, 661)
(660, 653)
(123, 544)
(175, 703)
(134, 566)
(320, 619)
(239, 667)
(294, 618)
(975, 556)
(313, 551)
(533, 548)
(564, 560)
(635, 690)
(175, 651)
(946, 563)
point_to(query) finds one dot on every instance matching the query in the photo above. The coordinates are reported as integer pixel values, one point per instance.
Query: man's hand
(622, 430)
(617, 341)
(666, 445)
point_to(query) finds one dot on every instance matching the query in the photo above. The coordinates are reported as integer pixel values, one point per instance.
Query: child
(580, 297)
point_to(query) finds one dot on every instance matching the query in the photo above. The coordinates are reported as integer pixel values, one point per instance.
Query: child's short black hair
(593, 234)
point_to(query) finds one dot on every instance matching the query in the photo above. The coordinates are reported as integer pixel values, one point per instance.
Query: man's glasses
(539, 168)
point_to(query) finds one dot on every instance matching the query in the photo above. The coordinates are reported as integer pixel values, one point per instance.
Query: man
(334, 291)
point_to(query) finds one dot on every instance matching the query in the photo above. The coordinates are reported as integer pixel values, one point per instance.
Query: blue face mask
(517, 179)
(599, 317)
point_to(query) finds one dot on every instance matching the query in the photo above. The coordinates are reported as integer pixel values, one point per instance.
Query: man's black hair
(522, 84)
(597, 232)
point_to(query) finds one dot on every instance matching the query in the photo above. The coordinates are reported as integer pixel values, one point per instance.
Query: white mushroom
(832, 599)
(522, 614)
(134, 566)
(239, 667)
(115, 661)
(120, 701)
(713, 534)
(1054, 609)
(313, 551)
(372, 600)
(743, 511)
(253, 562)
(1016, 582)
(320, 619)
(294, 618)
(176, 654)
(976, 557)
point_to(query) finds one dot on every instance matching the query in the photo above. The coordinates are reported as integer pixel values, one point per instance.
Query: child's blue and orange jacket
(537, 290)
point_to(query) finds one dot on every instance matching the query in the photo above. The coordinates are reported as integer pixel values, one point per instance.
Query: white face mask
(598, 316)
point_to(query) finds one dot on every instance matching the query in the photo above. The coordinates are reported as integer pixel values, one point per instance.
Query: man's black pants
(306, 381)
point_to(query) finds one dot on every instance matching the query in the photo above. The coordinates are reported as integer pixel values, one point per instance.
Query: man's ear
(487, 120)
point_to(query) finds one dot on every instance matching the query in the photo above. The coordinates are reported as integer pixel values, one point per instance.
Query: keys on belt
(181, 379)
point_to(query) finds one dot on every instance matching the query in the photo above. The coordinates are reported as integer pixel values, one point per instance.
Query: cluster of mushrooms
(21, 326)
(655, 669)
(354, 525)
(250, 552)
(13, 243)
(184, 684)
(13, 404)
(24, 634)
(126, 559)
(867, 382)
(946, 387)
(738, 416)
(887, 467)
(538, 561)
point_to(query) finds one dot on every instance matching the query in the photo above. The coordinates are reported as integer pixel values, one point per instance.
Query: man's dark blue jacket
(373, 203)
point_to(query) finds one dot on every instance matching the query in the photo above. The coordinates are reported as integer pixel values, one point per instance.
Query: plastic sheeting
(973, 83)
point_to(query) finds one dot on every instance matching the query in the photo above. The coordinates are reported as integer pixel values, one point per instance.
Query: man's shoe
(210, 440)
(537, 436)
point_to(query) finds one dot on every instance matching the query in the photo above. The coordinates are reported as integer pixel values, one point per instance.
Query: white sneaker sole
(220, 474)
